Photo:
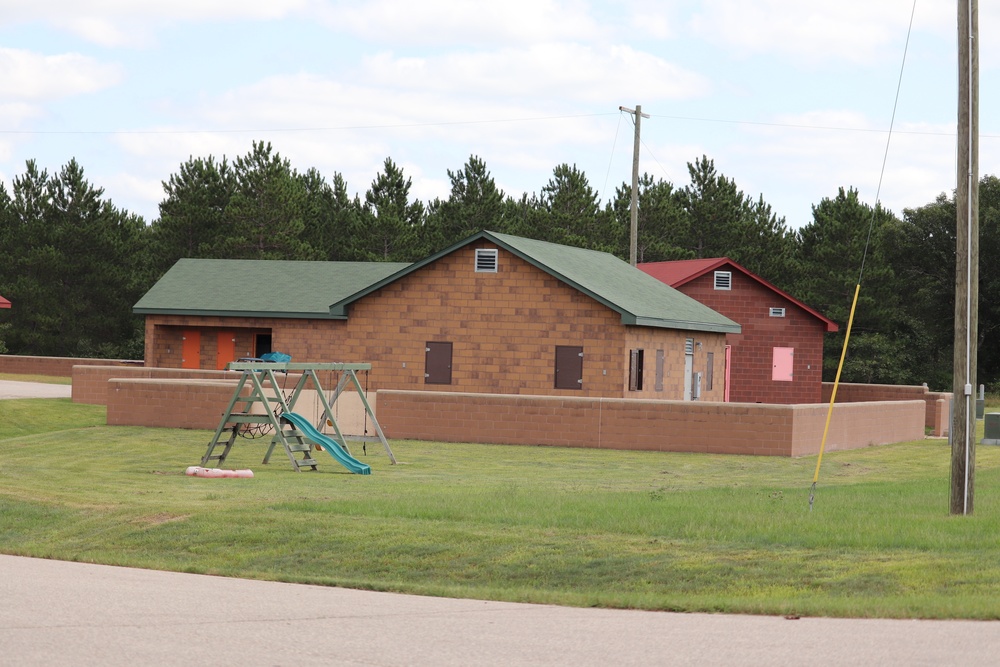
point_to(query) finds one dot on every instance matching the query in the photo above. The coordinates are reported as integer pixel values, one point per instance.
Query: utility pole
(963, 425)
(634, 233)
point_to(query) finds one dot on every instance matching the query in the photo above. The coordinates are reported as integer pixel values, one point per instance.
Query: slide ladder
(303, 430)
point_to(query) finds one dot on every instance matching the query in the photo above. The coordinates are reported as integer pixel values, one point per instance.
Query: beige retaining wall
(722, 428)
(90, 383)
(937, 404)
(199, 403)
(53, 366)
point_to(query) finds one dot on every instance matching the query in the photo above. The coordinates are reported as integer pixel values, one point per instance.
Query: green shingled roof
(267, 288)
(640, 299)
(259, 288)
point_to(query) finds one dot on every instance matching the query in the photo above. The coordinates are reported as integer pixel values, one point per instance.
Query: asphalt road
(56, 613)
(61, 613)
(13, 389)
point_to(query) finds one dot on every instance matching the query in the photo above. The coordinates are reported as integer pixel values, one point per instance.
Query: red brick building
(778, 355)
(492, 314)
(4, 303)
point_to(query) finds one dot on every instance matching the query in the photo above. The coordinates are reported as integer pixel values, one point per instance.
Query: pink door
(781, 368)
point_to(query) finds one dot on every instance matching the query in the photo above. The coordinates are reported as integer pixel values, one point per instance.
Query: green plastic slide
(328, 444)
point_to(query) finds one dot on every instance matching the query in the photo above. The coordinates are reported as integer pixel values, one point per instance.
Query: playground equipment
(295, 433)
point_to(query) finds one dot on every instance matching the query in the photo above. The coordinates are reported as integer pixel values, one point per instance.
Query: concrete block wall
(172, 401)
(195, 404)
(723, 428)
(90, 383)
(937, 408)
(54, 366)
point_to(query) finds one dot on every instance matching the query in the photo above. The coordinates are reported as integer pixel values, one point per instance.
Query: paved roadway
(56, 613)
(13, 389)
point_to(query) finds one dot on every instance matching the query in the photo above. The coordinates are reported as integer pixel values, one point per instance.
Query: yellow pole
(833, 395)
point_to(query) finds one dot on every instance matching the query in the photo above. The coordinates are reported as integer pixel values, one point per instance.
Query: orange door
(191, 349)
(227, 349)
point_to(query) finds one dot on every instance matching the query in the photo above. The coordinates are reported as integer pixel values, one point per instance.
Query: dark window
(635, 370)
(569, 367)
(261, 345)
(437, 363)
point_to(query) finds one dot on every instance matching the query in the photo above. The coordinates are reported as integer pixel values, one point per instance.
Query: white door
(688, 367)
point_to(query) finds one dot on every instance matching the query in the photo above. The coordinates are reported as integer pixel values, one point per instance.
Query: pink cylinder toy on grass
(198, 471)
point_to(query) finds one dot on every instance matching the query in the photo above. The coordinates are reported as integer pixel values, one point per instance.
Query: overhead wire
(864, 257)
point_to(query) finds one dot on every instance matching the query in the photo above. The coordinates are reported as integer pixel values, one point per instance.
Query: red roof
(4, 303)
(684, 271)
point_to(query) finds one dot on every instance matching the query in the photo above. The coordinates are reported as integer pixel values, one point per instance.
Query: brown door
(437, 363)
(191, 348)
(227, 349)
(569, 367)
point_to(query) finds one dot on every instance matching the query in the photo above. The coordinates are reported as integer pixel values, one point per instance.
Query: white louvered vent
(777, 312)
(486, 260)
(724, 280)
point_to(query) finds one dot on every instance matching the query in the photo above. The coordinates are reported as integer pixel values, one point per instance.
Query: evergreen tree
(193, 211)
(73, 268)
(475, 204)
(331, 218)
(264, 217)
(391, 228)
(661, 220)
(831, 251)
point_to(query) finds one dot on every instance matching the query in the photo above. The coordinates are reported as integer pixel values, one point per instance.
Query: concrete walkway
(59, 613)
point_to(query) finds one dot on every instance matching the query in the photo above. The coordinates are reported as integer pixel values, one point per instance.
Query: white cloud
(130, 23)
(818, 30)
(560, 72)
(32, 76)
(431, 22)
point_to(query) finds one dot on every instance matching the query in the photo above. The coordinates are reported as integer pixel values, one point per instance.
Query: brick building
(492, 314)
(4, 303)
(778, 355)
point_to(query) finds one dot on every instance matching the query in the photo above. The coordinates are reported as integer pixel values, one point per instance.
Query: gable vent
(724, 280)
(486, 260)
(777, 312)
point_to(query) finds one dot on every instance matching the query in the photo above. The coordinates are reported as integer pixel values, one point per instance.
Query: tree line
(74, 264)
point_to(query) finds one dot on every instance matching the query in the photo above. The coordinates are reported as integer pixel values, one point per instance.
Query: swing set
(259, 386)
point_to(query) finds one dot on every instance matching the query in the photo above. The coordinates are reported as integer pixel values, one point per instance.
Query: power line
(526, 119)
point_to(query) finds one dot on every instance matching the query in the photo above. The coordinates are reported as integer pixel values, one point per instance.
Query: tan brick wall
(53, 366)
(504, 328)
(90, 383)
(723, 428)
(937, 409)
(169, 399)
(195, 404)
(593, 422)
(672, 342)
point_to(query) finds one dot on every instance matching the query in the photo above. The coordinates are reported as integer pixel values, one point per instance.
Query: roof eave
(685, 325)
(239, 313)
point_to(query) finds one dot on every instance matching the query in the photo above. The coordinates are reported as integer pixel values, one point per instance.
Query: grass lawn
(580, 527)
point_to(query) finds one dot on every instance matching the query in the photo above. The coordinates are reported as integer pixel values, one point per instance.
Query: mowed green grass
(537, 524)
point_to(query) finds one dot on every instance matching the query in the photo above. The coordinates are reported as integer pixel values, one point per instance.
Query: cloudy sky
(791, 99)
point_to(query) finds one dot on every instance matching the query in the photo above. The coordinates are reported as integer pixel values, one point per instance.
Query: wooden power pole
(634, 229)
(963, 425)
